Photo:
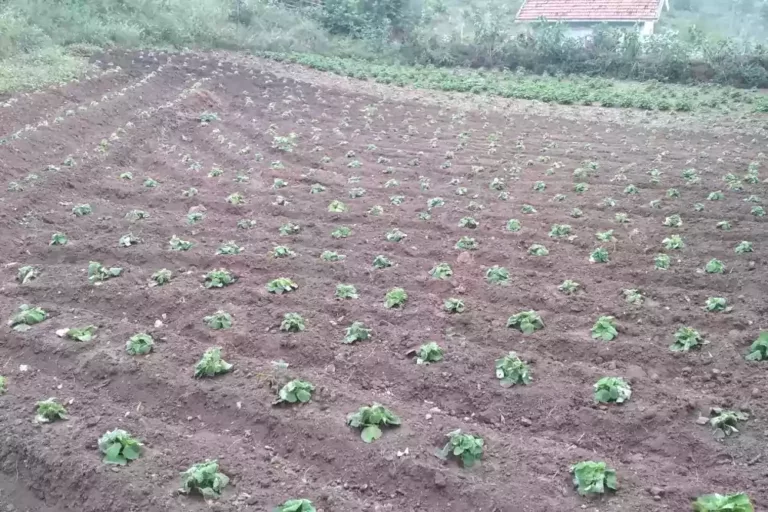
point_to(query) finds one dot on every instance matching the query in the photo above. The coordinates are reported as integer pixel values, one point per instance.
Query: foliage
(81, 334)
(3, 385)
(633, 296)
(661, 261)
(27, 273)
(612, 389)
(511, 370)
(569, 287)
(218, 278)
(441, 271)
(739, 502)
(429, 352)
(81, 210)
(605, 329)
(673, 221)
(140, 344)
(289, 229)
(292, 322)
(673, 242)
(337, 206)
(26, 317)
(395, 235)
(162, 277)
(527, 322)
(714, 266)
(453, 305)
(560, 230)
(119, 447)
(295, 391)
(229, 248)
(513, 225)
(743, 247)
(50, 410)
(98, 272)
(370, 419)
(758, 351)
(205, 479)
(466, 447)
(396, 298)
(356, 332)
(468, 222)
(605, 236)
(177, 244)
(59, 239)
(331, 256)
(299, 505)
(497, 275)
(281, 285)
(538, 250)
(591, 477)
(341, 232)
(346, 291)
(686, 338)
(599, 255)
(218, 320)
(211, 364)
(726, 421)
(717, 304)
(724, 225)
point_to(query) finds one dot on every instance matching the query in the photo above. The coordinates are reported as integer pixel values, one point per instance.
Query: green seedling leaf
(743, 247)
(468, 222)
(59, 239)
(219, 320)
(511, 370)
(612, 390)
(346, 291)
(289, 229)
(724, 422)
(128, 240)
(370, 419)
(27, 273)
(599, 255)
(605, 329)
(538, 250)
(633, 296)
(497, 275)
(82, 210)
(714, 266)
(281, 251)
(441, 271)
(296, 391)
(332, 256)
(229, 249)
(717, 305)
(337, 206)
(465, 447)
(292, 322)
(177, 244)
(591, 477)
(205, 479)
(139, 344)
(569, 287)
(3, 385)
(513, 225)
(395, 235)
(212, 364)
(526, 322)
(381, 262)
(119, 447)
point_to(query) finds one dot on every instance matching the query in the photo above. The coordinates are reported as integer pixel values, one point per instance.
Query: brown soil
(533, 434)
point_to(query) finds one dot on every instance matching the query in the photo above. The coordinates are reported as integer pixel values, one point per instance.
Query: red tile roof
(590, 10)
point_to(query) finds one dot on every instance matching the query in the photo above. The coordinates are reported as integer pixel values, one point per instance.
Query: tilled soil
(147, 113)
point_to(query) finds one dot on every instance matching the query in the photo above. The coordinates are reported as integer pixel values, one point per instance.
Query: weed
(119, 447)
(218, 278)
(441, 271)
(27, 317)
(605, 329)
(599, 255)
(396, 298)
(296, 391)
(139, 344)
(527, 322)
(497, 275)
(49, 411)
(591, 477)
(758, 351)
(177, 244)
(211, 364)
(205, 479)
(81, 334)
(686, 338)
(466, 447)
(292, 322)
(661, 261)
(511, 370)
(370, 419)
(98, 272)
(59, 239)
(356, 332)
(454, 305)
(612, 390)
(569, 287)
(429, 352)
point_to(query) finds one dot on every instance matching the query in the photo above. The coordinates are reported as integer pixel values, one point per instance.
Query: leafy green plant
(686, 338)
(337, 206)
(560, 230)
(81, 210)
(714, 266)
(27, 317)
(527, 209)
(429, 352)
(527, 322)
(739, 502)
(453, 305)
(743, 247)
(119, 447)
(621, 218)
(380, 262)
(341, 232)
(599, 255)
(497, 184)
(207, 117)
(190, 192)
(281, 251)
(218, 278)
(466, 447)
(441, 271)
(59, 239)
(631, 190)
(396, 298)
(633, 296)
(580, 188)
(396, 200)
(726, 421)
(292, 322)
(511, 370)
(289, 229)
(605, 236)
(139, 344)
(316, 188)
(513, 225)
(81, 334)
(758, 211)
(296, 391)
(569, 287)
(98, 272)
(331, 256)
(211, 364)
(467, 243)
(699, 207)
(281, 285)
(655, 204)
(370, 419)
(194, 217)
(576, 213)
(356, 332)
(724, 225)
(229, 249)
(395, 235)
(673, 242)
(27, 273)
(49, 411)
(758, 351)
(673, 192)
(591, 477)
(716, 196)
(468, 222)
(161, 277)
(346, 291)
(538, 250)
(605, 329)
(612, 390)
(3, 385)
(497, 275)
(128, 240)
(673, 221)
(205, 479)
(177, 244)
(135, 215)
(299, 505)
(218, 320)
(717, 304)
(661, 261)
(435, 202)
(539, 186)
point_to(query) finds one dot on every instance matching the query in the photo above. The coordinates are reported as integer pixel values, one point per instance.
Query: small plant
(605, 329)
(429, 353)
(215, 172)
(717, 304)
(612, 390)
(331, 256)
(686, 338)
(218, 278)
(723, 503)
(396, 298)
(655, 204)
(599, 255)
(346, 291)
(127, 176)
(661, 261)
(699, 207)
(673, 193)
(136, 215)
(59, 239)
(296, 391)
(527, 209)
(726, 421)
(207, 117)
(150, 183)
(716, 196)
(513, 225)
(3, 385)
(467, 243)
(337, 206)
(300, 505)
(246, 224)
(758, 211)
(341, 232)
(724, 225)
(468, 222)
(218, 320)
(576, 213)
(539, 186)
(194, 217)
(356, 332)
(81, 210)
(538, 250)
(673, 242)
(605, 236)
(211, 364)
(569, 287)
(81, 334)
(591, 477)
(380, 262)
(316, 188)
(743, 247)
(435, 202)
(758, 351)
(205, 479)
(27, 317)
(673, 221)
(289, 229)
(621, 218)
(292, 322)
(580, 188)
(279, 183)
(511, 370)
(559, 231)
(466, 447)
(497, 275)
(286, 144)
(229, 249)
(454, 305)
(441, 271)
(396, 200)
(527, 322)
(177, 244)
(139, 344)
(119, 447)
(128, 240)
(49, 411)
(190, 192)
(27, 273)
(395, 235)
(370, 419)
(497, 184)
(631, 190)
(633, 296)
(714, 266)
(98, 272)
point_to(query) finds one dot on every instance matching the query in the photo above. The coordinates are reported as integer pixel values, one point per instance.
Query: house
(581, 16)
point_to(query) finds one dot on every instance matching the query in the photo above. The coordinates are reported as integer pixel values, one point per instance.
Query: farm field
(192, 163)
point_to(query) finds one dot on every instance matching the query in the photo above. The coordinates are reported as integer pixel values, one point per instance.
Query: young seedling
(246, 224)
(467, 243)
(723, 503)
(599, 255)
(673, 221)
(497, 184)
(435, 202)
(396, 298)
(370, 419)
(49, 411)
(59, 239)
(528, 209)
(569, 287)
(331, 256)
(539, 186)
(605, 329)
(605, 236)
(177, 244)
(454, 305)
(229, 249)
(395, 235)
(725, 422)
(341, 232)
(497, 275)
(281, 251)
(716, 196)
(218, 320)
(655, 204)
(296, 391)
(205, 479)
(468, 222)
(441, 271)
(527, 322)
(285, 143)
(631, 190)
(207, 118)
(576, 213)
(279, 183)
(136, 215)
(621, 218)
(211, 364)
(119, 447)
(538, 250)
(337, 206)
(686, 338)
(194, 217)
(633, 296)
(396, 200)
(758, 351)
(218, 278)
(591, 477)
(758, 211)
(661, 261)
(139, 344)
(717, 305)
(511, 370)
(300, 505)
(316, 188)
(98, 272)
(127, 176)
(27, 317)
(292, 322)
(513, 225)
(743, 247)
(81, 334)
(714, 266)
(429, 352)
(82, 210)
(580, 188)
(673, 193)
(724, 225)
(27, 273)
(466, 447)
(612, 390)
(673, 242)
(346, 291)
(560, 231)
(289, 229)
(380, 262)
(356, 332)
(128, 240)
(190, 192)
